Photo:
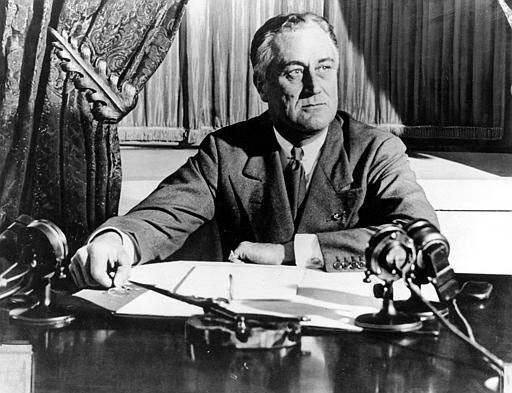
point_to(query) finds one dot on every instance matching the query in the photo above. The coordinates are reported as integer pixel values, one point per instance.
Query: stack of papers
(327, 300)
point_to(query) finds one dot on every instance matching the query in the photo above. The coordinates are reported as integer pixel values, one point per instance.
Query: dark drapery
(59, 150)
(425, 68)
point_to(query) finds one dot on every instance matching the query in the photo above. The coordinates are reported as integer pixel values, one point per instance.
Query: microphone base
(413, 307)
(44, 316)
(388, 323)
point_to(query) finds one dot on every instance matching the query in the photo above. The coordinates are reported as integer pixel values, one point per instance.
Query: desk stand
(388, 319)
(43, 314)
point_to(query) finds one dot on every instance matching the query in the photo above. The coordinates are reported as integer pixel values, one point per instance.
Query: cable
(5, 281)
(464, 320)
(496, 361)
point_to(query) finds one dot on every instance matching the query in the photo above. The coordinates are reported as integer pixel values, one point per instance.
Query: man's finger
(234, 257)
(99, 274)
(82, 261)
(86, 265)
(242, 251)
(98, 263)
(263, 253)
(124, 268)
(89, 278)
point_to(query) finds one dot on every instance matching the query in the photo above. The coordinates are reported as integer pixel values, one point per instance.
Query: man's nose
(310, 84)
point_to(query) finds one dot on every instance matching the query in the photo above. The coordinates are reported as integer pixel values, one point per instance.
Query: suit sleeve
(391, 192)
(160, 224)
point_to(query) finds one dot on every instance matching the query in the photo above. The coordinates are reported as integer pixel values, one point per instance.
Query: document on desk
(238, 282)
(328, 300)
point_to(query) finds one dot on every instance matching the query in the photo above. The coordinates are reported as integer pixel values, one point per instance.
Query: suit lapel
(262, 193)
(261, 189)
(327, 198)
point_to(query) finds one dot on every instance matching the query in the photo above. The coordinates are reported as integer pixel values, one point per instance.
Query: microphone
(33, 251)
(413, 250)
(432, 263)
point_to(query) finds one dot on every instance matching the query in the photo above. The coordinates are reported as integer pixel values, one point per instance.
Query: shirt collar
(311, 150)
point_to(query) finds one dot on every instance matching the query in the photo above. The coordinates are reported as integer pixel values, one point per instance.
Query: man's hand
(262, 253)
(91, 264)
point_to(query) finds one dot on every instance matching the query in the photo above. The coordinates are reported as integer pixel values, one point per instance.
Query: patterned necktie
(295, 179)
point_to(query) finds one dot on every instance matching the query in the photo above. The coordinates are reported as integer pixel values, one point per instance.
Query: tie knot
(297, 153)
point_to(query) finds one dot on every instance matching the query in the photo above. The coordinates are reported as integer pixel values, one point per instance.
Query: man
(300, 183)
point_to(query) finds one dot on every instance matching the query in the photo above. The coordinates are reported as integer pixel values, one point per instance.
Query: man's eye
(296, 73)
(324, 68)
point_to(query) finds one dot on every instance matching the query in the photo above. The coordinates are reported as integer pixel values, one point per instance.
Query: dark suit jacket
(362, 180)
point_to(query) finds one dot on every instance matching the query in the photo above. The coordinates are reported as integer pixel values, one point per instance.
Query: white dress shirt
(311, 153)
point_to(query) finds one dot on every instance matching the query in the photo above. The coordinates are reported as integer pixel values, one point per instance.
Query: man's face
(301, 87)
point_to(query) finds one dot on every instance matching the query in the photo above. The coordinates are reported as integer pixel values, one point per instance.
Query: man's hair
(261, 46)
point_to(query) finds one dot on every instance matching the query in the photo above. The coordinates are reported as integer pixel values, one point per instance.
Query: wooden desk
(95, 355)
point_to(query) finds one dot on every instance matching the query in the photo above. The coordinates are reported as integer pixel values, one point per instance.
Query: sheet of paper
(328, 300)
(205, 279)
(211, 279)
(111, 299)
(246, 282)
(154, 304)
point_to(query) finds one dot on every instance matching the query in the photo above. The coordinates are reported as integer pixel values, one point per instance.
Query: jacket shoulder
(360, 136)
(250, 135)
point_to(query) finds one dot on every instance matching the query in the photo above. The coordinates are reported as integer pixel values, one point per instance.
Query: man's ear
(261, 87)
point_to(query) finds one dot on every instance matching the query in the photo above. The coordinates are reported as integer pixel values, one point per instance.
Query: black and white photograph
(255, 196)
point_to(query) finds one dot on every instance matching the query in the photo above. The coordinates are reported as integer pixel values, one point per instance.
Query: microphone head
(390, 253)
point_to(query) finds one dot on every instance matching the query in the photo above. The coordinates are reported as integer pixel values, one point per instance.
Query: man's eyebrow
(292, 63)
(297, 62)
(325, 59)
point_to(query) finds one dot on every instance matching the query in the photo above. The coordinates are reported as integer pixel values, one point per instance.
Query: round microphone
(390, 253)
(29, 249)
(432, 263)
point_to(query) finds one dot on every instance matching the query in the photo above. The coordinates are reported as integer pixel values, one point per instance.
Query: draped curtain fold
(59, 158)
(423, 68)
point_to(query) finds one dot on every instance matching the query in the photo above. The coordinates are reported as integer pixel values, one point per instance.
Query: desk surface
(95, 355)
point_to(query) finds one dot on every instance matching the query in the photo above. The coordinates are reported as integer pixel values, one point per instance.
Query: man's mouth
(314, 106)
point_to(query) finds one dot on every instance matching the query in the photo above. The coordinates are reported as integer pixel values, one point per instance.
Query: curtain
(59, 154)
(423, 68)
(206, 80)
(440, 67)
(23, 25)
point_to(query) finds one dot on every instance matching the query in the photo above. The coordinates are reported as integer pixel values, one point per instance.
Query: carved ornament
(109, 102)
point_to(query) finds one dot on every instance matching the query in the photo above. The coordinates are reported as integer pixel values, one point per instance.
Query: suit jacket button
(336, 265)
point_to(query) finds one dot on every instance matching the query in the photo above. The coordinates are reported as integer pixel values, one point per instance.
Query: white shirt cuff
(127, 242)
(307, 251)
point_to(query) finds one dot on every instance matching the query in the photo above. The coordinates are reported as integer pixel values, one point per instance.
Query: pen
(183, 279)
(230, 287)
(209, 305)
